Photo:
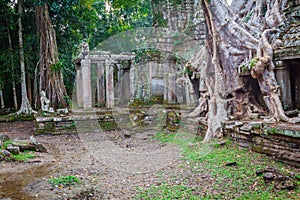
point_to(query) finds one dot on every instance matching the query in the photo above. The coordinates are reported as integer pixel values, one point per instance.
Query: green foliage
(147, 54)
(6, 144)
(246, 67)
(159, 19)
(73, 21)
(253, 62)
(165, 137)
(24, 156)
(57, 66)
(63, 181)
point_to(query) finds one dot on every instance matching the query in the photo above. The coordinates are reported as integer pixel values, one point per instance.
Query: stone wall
(272, 140)
(287, 57)
(186, 17)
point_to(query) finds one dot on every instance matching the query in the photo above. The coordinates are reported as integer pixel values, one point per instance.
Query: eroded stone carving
(44, 101)
(85, 49)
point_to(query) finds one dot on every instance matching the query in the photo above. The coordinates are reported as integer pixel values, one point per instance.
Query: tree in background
(73, 22)
(25, 105)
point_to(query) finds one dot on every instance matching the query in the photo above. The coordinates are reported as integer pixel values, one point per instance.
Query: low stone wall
(108, 120)
(273, 140)
(54, 125)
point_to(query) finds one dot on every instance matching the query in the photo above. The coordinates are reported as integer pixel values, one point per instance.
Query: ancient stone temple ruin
(149, 67)
(108, 80)
(95, 78)
(287, 58)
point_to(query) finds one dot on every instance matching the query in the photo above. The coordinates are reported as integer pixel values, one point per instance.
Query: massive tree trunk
(51, 78)
(231, 42)
(25, 106)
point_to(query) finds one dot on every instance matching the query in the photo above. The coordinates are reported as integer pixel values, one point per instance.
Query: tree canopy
(74, 21)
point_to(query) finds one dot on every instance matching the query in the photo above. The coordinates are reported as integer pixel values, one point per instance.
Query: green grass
(5, 144)
(24, 156)
(183, 140)
(166, 191)
(229, 182)
(63, 181)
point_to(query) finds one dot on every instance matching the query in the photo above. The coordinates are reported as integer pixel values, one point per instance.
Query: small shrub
(253, 62)
(6, 143)
(62, 181)
(24, 156)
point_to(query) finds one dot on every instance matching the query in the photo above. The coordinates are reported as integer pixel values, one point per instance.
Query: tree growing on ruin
(236, 40)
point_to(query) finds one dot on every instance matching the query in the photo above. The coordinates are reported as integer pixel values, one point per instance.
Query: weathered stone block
(13, 150)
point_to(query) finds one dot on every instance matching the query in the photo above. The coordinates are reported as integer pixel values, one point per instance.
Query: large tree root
(274, 104)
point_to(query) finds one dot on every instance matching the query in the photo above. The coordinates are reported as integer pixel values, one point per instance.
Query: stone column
(166, 87)
(79, 97)
(120, 73)
(172, 88)
(109, 69)
(86, 83)
(150, 77)
(119, 90)
(100, 82)
(132, 78)
(284, 81)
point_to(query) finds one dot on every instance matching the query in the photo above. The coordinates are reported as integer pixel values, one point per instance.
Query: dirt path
(110, 165)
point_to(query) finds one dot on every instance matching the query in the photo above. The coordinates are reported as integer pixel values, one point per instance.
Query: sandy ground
(110, 165)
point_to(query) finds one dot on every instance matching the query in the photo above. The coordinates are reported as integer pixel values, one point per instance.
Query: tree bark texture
(51, 78)
(25, 105)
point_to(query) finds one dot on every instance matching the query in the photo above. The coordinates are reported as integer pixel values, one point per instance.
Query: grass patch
(165, 137)
(108, 126)
(238, 181)
(24, 156)
(183, 140)
(5, 144)
(166, 191)
(63, 181)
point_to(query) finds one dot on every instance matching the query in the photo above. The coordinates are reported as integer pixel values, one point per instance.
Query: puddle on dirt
(12, 184)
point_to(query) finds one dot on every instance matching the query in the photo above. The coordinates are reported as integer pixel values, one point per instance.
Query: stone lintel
(115, 58)
(287, 53)
(99, 57)
(122, 57)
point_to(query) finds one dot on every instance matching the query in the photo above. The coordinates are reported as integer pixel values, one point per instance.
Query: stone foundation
(274, 140)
